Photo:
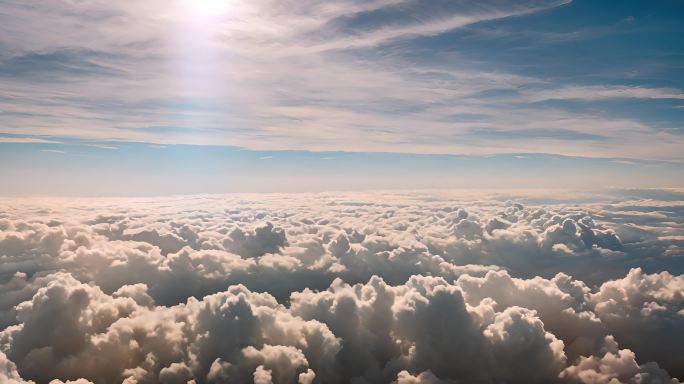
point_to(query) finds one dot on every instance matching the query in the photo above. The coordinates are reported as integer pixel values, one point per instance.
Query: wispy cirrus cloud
(341, 75)
(597, 92)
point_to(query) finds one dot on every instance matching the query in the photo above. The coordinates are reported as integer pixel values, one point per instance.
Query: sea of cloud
(426, 287)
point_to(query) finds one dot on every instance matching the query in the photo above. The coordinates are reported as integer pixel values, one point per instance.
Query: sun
(208, 8)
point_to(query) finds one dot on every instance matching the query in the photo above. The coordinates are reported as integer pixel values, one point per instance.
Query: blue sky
(388, 92)
(86, 168)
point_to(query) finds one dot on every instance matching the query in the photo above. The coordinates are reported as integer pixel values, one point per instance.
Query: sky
(341, 191)
(119, 98)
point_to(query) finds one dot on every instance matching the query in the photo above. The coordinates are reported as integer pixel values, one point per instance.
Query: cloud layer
(404, 76)
(329, 288)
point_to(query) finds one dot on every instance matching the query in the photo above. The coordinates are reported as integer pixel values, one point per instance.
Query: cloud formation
(405, 288)
(418, 76)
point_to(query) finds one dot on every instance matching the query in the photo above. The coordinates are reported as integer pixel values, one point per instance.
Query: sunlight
(208, 8)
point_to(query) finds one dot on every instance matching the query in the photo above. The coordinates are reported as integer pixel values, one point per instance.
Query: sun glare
(208, 8)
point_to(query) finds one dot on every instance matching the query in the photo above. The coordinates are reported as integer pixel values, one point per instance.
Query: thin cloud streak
(305, 84)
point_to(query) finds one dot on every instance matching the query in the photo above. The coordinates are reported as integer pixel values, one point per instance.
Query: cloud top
(404, 288)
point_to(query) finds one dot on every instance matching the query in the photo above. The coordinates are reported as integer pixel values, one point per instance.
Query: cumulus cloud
(8, 372)
(342, 288)
(615, 365)
(262, 240)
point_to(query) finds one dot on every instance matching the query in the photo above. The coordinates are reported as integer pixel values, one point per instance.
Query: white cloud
(25, 140)
(338, 288)
(591, 93)
(304, 83)
(615, 365)
(8, 372)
